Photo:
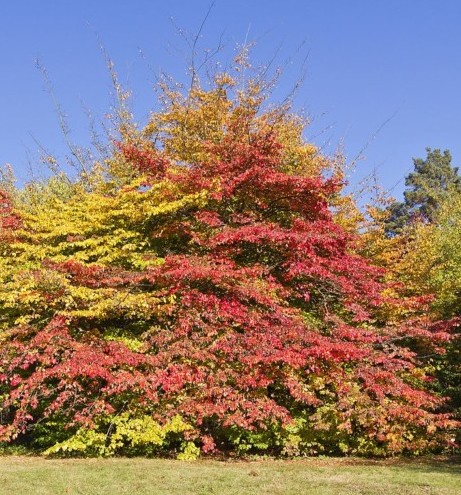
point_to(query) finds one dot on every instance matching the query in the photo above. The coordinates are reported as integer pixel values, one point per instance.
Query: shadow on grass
(450, 464)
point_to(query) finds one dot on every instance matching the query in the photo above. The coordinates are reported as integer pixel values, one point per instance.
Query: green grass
(32, 475)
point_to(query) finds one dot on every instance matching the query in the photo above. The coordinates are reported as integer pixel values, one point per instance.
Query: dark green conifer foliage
(427, 186)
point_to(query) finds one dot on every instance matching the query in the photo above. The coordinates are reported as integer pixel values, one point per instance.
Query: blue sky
(385, 67)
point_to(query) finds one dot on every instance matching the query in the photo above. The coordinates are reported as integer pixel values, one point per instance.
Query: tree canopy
(196, 292)
(427, 187)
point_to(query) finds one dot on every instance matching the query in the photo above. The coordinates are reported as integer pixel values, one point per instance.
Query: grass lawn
(32, 475)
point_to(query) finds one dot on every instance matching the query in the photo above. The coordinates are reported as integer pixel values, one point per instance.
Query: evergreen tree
(427, 186)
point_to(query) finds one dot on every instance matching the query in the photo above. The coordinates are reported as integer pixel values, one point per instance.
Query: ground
(33, 475)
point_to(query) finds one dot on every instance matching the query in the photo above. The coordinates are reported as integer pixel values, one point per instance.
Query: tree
(195, 292)
(424, 262)
(427, 187)
(435, 252)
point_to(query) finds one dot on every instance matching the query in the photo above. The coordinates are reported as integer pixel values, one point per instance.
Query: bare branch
(75, 151)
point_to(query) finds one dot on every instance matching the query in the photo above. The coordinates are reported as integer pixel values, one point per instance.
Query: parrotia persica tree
(430, 264)
(416, 241)
(194, 292)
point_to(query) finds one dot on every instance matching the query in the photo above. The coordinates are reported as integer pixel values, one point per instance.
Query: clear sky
(384, 68)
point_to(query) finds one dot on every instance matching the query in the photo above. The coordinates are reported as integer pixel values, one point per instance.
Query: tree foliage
(196, 292)
(427, 187)
(431, 266)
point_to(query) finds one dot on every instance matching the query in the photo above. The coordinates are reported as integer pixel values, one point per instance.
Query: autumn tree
(422, 263)
(432, 266)
(194, 292)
